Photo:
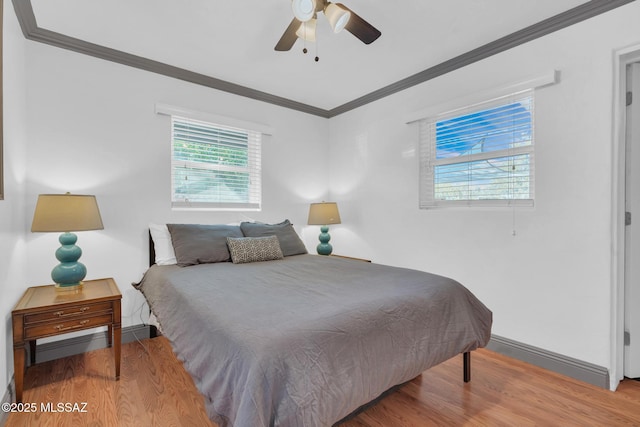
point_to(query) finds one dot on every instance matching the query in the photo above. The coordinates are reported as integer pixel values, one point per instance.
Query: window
(479, 156)
(214, 166)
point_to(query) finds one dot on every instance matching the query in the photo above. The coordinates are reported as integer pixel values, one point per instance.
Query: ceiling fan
(339, 16)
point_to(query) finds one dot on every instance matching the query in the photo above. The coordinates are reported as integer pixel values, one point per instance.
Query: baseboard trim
(7, 398)
(76, 345)
(574, 368)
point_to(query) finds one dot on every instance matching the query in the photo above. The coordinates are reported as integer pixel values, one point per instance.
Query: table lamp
(323, 214)
(67, 213)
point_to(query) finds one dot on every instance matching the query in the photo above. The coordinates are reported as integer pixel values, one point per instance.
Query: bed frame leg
(466, 368)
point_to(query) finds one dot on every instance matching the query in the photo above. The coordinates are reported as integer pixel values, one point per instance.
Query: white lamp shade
(323, 213)
(307, 30)
(337, 16)
(303, 10)
(66, 212)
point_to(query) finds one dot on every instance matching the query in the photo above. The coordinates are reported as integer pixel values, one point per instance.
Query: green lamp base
(324, 247)
(69, 273)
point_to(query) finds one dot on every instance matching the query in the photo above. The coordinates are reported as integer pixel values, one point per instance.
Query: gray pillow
(290, 243)
(253, 249)
(201, 244)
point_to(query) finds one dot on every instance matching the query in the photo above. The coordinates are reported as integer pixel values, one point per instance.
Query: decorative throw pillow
(201, 244)
(162, 244)
(290, 243)
(253, 249)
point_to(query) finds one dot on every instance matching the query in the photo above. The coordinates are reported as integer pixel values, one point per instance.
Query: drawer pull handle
(61, 328)
(61, 313)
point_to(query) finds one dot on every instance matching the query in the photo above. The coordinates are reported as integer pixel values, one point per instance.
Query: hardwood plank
(155, 390)
(503, 392)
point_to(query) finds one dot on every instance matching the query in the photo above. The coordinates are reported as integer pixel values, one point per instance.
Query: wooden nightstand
(44, 311)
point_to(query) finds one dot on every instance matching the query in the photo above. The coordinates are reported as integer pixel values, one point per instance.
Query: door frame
(622, 58)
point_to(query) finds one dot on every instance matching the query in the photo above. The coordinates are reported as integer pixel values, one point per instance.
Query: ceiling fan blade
(289, 37)
(360, 28)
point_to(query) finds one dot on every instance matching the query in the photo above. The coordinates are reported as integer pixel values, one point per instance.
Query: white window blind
(214, 166)
(479, 156)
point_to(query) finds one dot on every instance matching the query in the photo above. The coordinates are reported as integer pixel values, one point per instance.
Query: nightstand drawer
(68, 312)
(69, 325)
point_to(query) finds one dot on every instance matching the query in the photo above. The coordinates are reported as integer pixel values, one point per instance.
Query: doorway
(625, 239)
(631, 363)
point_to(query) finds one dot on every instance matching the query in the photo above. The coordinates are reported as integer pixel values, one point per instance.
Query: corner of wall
(13, 266)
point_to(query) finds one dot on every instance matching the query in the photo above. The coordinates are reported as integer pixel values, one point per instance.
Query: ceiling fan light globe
(303, 10)
(337, 17)
(342, 22)
(307, 30)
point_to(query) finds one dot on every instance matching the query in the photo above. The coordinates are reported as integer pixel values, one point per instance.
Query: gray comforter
(306, 340)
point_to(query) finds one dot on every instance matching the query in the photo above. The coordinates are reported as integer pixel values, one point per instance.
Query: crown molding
(542, 28)
(31, 31)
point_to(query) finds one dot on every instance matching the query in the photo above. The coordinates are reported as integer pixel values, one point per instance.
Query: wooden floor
(154, 390)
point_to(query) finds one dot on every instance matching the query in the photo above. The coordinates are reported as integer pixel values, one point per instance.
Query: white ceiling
(234, 40)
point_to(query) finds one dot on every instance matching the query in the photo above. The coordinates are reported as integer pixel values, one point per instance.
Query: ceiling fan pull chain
(304, 39)
(317, 58)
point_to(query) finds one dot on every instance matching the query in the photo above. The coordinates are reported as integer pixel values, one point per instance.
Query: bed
(294, 339)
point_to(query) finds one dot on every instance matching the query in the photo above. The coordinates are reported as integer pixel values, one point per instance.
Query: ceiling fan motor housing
(303, 10)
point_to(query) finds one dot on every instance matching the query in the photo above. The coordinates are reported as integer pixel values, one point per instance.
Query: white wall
(92, 129)
(12, 208)
(549, 285)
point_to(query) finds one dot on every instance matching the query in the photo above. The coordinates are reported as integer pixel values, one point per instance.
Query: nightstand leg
(18, 368)
(117, 338)
(110, 336)
(32, 352)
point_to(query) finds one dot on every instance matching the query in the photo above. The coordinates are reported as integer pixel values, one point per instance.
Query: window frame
(253, 168)
(429, 162)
